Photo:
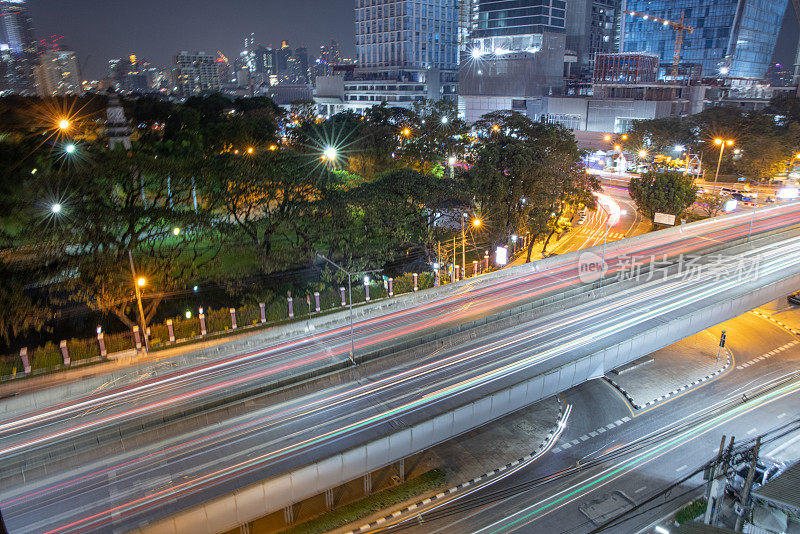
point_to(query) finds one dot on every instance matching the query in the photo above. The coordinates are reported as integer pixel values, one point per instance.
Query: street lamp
(721, 143)
(70, 148)
(350, 295)
(56, 208)
(138, 283)
(444, 119)
(406, 132)
(618, 149)
(63, 124)
(329, 153)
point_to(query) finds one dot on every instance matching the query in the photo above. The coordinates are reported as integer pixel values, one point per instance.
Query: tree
(526, 175)
(667, 192)
(118, 203)
(711, 203)
(265, 194)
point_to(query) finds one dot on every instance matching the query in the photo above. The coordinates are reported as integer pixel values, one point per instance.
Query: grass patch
(379, 501)
(690, 511)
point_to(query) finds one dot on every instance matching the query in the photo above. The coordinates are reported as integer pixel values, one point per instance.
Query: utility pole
(722, 339)
(747, 485)
(716, 485)
(463, 249)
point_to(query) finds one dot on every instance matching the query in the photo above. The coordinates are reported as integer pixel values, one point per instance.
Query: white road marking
(781, 416)
(640, 489)
(752, 431)
(681, 468)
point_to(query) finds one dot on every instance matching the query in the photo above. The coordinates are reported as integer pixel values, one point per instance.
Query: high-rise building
(732, 39)
(195, 73)
(499, 25)
(407, 51)
(16, 37)
(515, 52)
(592, 28)
(57, 74)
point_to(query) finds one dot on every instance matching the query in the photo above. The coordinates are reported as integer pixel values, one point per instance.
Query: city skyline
(99, 32)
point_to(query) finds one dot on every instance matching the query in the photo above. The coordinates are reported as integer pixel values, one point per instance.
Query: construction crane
(679, 28)
(222, 56)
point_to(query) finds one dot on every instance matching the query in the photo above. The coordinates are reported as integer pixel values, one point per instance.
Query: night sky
(157, 29)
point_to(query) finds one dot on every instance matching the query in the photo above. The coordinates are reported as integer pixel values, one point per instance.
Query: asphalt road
(126, 488)
(628, 456)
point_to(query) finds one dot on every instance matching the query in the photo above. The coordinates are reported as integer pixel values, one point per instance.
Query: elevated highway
(552, 326)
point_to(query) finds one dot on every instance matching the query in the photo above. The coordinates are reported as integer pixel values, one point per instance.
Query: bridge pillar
(401, 470)
(288, 514)
(328, 499)
(368, 484)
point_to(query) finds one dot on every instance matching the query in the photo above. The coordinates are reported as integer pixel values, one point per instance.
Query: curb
(779, 323)
(681, 389)
(546, 442)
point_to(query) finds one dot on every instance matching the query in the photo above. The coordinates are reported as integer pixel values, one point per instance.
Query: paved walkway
(674, 369)
(480, 451)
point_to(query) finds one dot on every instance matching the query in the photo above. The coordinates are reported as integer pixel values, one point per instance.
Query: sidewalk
(671, 370)
(480, 451)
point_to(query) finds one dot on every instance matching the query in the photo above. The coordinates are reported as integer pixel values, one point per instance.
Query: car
(794, 298)
(766, 470)
(769, 200)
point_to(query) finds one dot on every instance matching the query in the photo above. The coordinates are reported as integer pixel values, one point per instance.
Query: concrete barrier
(258, 500)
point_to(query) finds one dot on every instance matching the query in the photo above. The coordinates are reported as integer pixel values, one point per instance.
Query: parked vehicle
(794, 298)
(766, 470)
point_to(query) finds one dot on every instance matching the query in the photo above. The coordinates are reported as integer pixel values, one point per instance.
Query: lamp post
(618, 150)
(476, 222)
(139, 282)
(755, 205)
(721, 143)
(350, 296)
(452, 162)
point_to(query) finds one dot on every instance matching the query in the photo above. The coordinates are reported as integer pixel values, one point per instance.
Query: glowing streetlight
(70, 148)
(176, 231)
(451, 160)
(679, 148)
(444, 119)
(607, 137)
(273, 147)
(642, 153)
(406, 132)
(496, 127)
(329, 153)
(63, 124)
(55, 208)
(617, 147)
(476, 223)
(250, 150)
(624, 137)
(722, 143)
(141, 281)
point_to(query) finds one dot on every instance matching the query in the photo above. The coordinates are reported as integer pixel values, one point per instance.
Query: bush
(83, 349)
(692, 510)
(428, 481)
(46, 357)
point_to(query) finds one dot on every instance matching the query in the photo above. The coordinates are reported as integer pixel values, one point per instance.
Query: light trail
(612, 473)
(614, 324)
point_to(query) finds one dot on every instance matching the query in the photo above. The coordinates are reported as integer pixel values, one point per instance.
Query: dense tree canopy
(219, 190)
(669, 192)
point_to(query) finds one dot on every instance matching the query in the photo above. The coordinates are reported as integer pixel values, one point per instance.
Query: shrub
(428, 481)
(690, 511)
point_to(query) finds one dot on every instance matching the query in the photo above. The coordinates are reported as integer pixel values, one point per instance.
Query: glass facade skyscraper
(19, 45)
(407, 34)
(732, 38)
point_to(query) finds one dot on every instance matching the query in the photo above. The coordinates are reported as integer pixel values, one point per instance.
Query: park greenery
(763, 144)
(239, 197)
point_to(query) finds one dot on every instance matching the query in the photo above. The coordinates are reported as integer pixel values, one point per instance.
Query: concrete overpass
(339, 427)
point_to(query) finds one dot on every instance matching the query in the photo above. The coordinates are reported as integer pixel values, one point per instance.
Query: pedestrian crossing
(593, 434)
(768, 354)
